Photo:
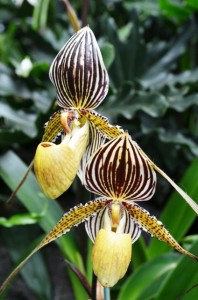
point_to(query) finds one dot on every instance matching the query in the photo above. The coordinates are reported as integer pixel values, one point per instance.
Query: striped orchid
(121, 176)
(81, 80)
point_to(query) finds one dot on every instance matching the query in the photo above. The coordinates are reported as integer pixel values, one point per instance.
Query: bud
(111, 256)
(56, 165)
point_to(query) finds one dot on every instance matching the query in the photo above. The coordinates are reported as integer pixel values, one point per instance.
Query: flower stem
(107, 295)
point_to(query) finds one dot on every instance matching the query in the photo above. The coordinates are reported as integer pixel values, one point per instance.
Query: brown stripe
(78, 72)
(118, 170)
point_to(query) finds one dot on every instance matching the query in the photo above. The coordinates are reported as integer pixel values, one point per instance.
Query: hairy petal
(154, 227)
(118, 170)
(78, 72)
(74, 217)
(101, 123)
(53, 127)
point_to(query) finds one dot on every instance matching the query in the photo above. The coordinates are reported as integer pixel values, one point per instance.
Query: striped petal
(74, 217)
(78, 72)
(99, 131)
(119, 171)
(154, 227)
(96, 140)
(96, 222)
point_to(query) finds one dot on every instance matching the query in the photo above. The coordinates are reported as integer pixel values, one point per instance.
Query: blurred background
(150, 49)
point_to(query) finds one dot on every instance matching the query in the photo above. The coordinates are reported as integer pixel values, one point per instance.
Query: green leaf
(108, 54)
(11, 136)
(152, 103)
(192, 3)
(149, 8)
(182, 103)
(34, 273)
(145, 282)
(19, 119)
(140, 254)
(40, 14)
(21, 219)
(172, 9)
(184, 276)
(177, 215)
(32, 198)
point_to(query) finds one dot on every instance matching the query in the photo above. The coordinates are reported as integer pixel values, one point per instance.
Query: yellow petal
(111, 256)
(154, 227)
(56, 165)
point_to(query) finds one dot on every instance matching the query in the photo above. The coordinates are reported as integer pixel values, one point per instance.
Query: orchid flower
(119, 174)
(81, 81)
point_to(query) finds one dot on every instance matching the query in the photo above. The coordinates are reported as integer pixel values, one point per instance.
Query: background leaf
(177, 215)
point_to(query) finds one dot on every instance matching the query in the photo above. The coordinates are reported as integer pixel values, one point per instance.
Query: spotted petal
(119, 171)
(78, 72)
(154, 227)
(101, 123)
(53, 127)
(74, 217)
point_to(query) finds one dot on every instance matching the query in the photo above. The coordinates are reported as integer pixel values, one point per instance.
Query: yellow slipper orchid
(56, 166)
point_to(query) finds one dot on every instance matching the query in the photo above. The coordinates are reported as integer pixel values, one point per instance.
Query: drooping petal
(154, 227)
(78, 72)
(111, 256)
(96, 222)
(56, 166)
(74, 217)
(186, 197)
(101, 123)
(119, 171)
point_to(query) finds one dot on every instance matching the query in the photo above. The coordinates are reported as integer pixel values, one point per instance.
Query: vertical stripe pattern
(96, 140)
(95, 222)
(119, 171)
(78, 72)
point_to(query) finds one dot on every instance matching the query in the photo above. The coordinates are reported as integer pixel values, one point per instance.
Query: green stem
(107, 295)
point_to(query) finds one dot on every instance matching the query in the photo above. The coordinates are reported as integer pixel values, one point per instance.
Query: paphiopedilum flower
(81, 80)
(119, 174)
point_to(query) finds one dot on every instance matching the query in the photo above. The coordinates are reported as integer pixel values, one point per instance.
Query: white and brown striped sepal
(78, 72)
(119, 171)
